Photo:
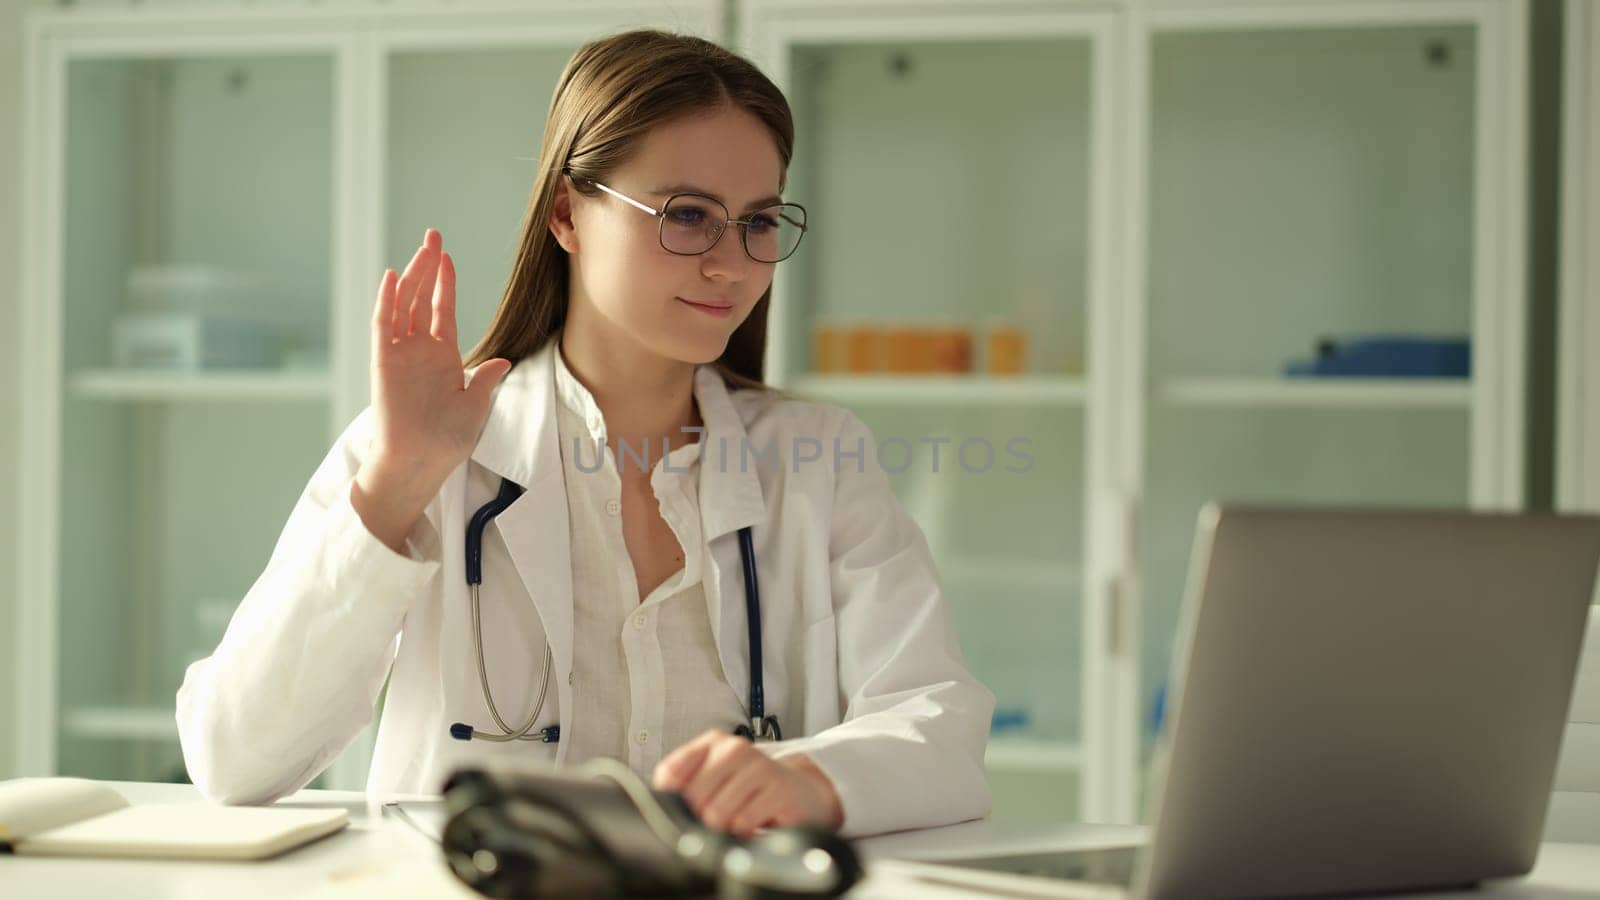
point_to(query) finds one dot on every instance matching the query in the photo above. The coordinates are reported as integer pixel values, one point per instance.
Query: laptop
(1365, 700)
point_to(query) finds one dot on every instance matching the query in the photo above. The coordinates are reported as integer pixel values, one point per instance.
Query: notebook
(80, 817)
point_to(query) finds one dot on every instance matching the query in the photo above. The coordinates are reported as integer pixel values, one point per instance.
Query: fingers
(383, 313)
(679, 767)
(427, 280)
(765, 808)
(406, 292)
(726, 756)
(444, 302)
(748, 778)
(484, 378)
(402, 295)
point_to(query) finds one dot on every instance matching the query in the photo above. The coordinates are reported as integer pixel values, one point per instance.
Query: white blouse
(645, 675)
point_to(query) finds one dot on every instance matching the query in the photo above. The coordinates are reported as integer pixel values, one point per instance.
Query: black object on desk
(601, 831)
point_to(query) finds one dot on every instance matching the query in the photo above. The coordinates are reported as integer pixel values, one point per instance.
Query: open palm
(428, 414)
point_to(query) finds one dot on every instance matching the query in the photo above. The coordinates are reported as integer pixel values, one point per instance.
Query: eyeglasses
(691, 224)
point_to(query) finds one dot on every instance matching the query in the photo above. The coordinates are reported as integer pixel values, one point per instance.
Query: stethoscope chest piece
(761, 730)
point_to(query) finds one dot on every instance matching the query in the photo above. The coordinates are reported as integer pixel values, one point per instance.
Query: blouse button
(643, 737)
(640, 620)
(613, 507)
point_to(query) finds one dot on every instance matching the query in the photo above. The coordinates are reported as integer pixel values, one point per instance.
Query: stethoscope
(761, 726)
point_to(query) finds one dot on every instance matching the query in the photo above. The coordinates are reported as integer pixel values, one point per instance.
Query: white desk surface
(381, 856)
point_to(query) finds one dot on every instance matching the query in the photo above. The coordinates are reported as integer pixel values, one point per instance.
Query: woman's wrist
(830, 808)
(390, 499)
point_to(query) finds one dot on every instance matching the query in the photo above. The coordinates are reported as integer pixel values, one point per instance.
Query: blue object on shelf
(1158, 708)
(1009, 719)
(1389, 357)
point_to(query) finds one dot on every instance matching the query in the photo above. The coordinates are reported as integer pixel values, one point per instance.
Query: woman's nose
(727, 258)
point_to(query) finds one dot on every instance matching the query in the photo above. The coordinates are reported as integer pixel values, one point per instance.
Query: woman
(615, 408)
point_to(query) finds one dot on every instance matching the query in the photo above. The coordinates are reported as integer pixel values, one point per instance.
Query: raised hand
(427, 410)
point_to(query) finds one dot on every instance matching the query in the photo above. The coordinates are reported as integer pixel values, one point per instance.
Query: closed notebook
(79, 817)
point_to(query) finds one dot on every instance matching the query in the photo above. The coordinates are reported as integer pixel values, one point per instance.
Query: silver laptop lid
(1366, 700)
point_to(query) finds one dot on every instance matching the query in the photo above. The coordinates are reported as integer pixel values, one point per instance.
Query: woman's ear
(561, 224)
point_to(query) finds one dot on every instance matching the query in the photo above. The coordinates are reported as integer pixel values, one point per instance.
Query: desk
(381, 856)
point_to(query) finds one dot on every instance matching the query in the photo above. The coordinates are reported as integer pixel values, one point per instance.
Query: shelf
(942, 390)
(122, 723)
(1033, 755)
(140, 384)
(1314, 393)
(1031, 575)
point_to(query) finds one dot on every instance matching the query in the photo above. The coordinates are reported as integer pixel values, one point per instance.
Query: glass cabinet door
(465, 168)
(1315, 285)
(948, 231)
(195, 282)
(943, 293)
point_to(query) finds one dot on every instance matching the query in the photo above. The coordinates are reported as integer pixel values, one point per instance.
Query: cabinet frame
(1109, 719)
(1495, 393)
(1119, 393)
(1578, 416)
(1499, 317)
(355, 39)
(1116, 393)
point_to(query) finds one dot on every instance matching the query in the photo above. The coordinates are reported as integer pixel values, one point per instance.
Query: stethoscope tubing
(761, 727)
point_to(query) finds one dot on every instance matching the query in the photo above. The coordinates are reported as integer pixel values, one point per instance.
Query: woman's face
(682, 308)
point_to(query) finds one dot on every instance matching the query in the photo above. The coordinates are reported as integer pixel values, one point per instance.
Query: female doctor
(613, 616)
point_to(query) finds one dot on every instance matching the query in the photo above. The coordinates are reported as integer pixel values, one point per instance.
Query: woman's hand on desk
(734, 787)
(426, 418)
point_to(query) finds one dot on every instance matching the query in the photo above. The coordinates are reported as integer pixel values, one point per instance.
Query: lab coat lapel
(519, 442)
(730, 499)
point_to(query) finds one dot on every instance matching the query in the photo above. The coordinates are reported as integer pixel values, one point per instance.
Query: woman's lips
(721, 311)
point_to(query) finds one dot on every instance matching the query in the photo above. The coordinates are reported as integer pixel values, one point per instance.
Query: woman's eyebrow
(671, 189)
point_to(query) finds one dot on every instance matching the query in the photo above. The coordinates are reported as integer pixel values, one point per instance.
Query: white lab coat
(861, 662)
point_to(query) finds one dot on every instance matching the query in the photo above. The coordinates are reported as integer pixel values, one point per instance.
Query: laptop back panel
(1366, 700)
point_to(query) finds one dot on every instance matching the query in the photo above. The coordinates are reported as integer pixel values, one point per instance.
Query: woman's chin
(698, 349)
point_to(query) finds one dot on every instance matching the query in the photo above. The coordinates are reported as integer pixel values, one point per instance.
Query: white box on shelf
(213, 290)
(192, 342)
(193, 288)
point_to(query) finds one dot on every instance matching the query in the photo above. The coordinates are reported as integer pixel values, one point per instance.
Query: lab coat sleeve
(909, 751)
(298, 672)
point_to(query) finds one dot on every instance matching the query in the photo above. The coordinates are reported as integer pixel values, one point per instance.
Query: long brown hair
(612, 92)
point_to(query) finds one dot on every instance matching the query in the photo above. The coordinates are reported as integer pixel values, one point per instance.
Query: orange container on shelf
(950, 350)
(864, 349)
(828, 349)
(928, 350)
(1006, 350)
(898, 349)
(902, 350)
